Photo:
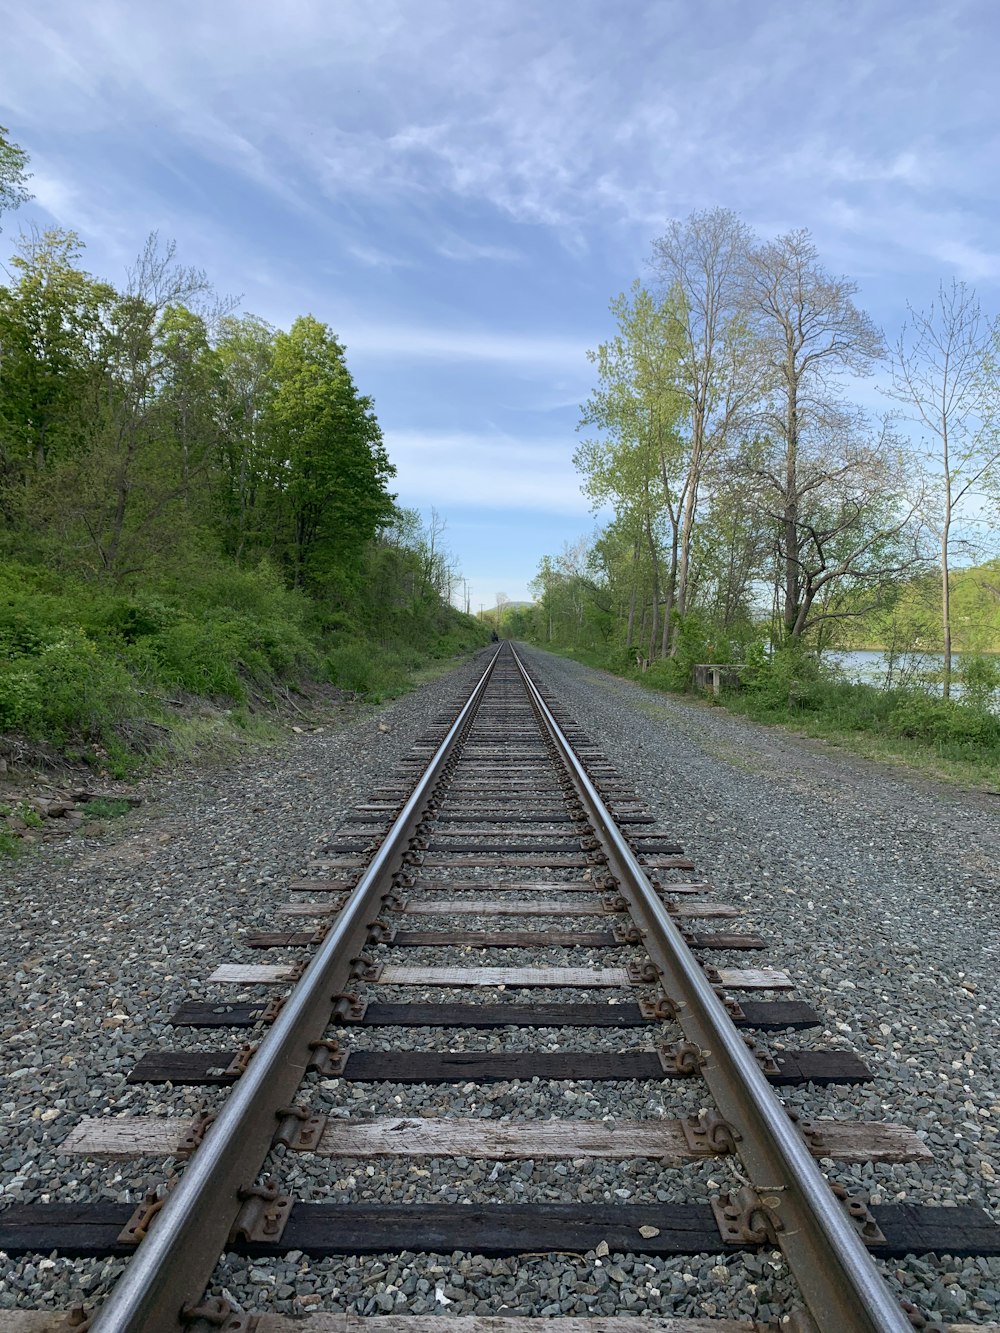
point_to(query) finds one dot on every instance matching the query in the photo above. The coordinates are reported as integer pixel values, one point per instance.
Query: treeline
(191, 500)
(753, 501)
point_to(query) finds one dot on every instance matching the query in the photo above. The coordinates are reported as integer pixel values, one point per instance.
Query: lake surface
(867, 667)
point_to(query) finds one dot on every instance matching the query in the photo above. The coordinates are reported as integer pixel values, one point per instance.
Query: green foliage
(693, 642)
(10, 845)
(69, 690)
(980, 681)
(106, 807)
(14, 173)
(332, 498)
(925, 718)
(358, 666)
(789, 679)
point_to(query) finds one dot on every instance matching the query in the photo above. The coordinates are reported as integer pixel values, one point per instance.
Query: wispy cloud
(417, 342)
(464, 251)
(372, 257)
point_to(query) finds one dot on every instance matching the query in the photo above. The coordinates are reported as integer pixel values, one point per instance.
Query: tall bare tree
(944, 371)
(811, 334)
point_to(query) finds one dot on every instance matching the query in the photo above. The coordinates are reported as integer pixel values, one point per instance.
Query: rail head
(174, 1262)
(839, 1280)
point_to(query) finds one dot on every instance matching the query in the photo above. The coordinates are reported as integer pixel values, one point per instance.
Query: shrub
(789, 679)
(360, 667)
(70, 690)
(943, 720)
(980, 680)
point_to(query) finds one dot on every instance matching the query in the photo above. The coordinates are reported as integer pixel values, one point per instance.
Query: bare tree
(943, 370)
(811, 333)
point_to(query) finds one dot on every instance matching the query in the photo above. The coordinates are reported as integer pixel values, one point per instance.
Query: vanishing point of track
(507, 787)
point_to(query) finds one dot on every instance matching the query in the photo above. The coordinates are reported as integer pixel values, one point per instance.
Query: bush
(197, 656)
(789, 679)
(363, 669)
(943, 720)
(83, 666)
(71, 690)
(667, 674)
(980, 680)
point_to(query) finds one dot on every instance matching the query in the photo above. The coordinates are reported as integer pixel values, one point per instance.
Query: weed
(9, 845)
(107, 807)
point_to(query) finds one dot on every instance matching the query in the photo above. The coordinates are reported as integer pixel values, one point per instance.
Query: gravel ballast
(873, 890)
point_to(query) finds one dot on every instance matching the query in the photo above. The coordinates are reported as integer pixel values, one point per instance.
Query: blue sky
(458, 189)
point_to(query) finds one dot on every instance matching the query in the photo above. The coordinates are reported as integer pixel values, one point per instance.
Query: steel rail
(838, 1279)
(174, 1262)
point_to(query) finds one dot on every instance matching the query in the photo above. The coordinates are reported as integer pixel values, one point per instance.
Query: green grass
(106, 807)
(9, 845)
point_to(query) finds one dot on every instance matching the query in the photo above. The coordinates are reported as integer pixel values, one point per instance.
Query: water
(868, 667)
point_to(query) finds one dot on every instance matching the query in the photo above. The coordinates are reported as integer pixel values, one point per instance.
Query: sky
(459, 189)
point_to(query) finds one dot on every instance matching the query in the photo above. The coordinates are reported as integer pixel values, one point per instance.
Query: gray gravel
(838, 846)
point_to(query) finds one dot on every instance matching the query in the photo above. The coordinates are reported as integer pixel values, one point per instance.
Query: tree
(641, 464)
(944, 369)
(245, 351)
(330, 495)
(823, 470)
(702, 263)
(188, 393)
(13, 173)
(133, 493)
(51, 324)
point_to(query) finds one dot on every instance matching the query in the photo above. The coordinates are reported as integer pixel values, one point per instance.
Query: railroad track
(506, 814)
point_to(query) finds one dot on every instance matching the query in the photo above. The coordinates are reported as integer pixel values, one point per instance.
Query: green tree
(13, 173)
(703, 262)
(640, 463)
(51, 354)
(834, 486)
(188, 392)
(332, 494)
(248, 472)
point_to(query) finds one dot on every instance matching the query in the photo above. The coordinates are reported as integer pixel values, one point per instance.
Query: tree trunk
(668, 596)
(631, 598)
(790, 517)
(655, 559)
(687, 524)
(945, 616)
